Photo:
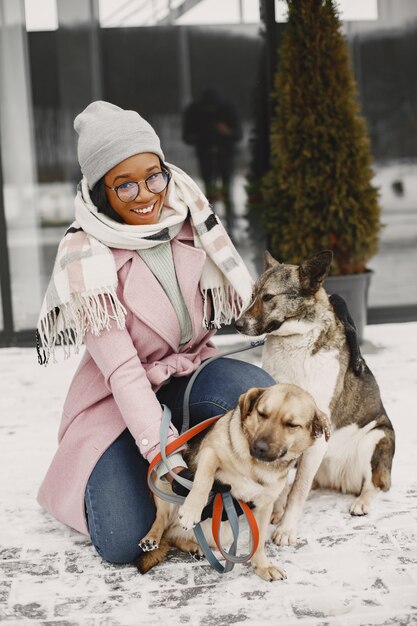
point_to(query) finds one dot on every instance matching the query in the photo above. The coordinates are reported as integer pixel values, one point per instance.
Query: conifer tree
(318, 192)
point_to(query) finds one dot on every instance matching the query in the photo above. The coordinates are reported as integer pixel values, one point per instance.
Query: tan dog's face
(281, 422)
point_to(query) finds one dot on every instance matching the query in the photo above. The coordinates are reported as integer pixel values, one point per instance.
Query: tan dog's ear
(247, 400)
(320, 425)
(269, 261)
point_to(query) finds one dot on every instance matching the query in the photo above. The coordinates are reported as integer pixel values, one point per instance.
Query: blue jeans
(119, 508)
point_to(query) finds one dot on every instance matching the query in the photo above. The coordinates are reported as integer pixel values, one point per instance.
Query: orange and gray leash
(222, 500)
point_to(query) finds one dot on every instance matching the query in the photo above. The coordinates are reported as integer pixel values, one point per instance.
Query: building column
(19, 165)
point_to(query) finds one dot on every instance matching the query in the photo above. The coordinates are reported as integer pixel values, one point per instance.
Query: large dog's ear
(314, 271)
(320, 425)
(269, 261)
(247, 400)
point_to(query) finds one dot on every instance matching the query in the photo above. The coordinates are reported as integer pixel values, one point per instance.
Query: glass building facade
(157, 56)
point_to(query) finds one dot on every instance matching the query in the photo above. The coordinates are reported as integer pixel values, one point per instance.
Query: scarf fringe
(66, 325)
(67, 313)
(226, 303)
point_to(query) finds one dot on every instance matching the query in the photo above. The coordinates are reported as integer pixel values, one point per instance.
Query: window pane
(40, 171)
(383, 58)
(348, 10)
(41, 15)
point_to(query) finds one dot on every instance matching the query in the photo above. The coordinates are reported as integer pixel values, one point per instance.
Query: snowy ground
(344, 571)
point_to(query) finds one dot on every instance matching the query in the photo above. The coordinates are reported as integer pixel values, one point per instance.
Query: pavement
(343, 571)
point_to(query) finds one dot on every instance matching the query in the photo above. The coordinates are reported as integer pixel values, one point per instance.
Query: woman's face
(146, 207)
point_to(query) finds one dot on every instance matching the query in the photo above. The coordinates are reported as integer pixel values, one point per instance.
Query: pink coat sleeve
(115, 355)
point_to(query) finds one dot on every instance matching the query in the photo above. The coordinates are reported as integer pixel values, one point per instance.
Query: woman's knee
(240, 375)
(118, 550)
(116, 538)
(117, 527)
(223, 383)
(254, 376)
(118, 505)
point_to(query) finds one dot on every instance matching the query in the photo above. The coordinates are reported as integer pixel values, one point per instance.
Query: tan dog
(251, 448)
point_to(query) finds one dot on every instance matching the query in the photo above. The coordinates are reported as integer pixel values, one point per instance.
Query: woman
(144, 276)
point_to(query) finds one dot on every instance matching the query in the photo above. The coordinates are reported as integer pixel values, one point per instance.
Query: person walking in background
(144, 277)
(211, 124)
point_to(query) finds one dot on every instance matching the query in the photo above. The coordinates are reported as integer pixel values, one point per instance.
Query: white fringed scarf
(81, 295)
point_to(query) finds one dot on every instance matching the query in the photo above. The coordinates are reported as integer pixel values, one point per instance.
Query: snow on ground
(344, 571)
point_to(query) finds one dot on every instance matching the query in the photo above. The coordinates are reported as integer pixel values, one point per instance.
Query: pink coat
(114, 386)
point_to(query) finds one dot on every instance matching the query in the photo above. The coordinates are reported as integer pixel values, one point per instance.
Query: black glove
(356, 360)
(218, 487)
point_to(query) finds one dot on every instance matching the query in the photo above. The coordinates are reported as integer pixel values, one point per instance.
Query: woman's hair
(99, 199)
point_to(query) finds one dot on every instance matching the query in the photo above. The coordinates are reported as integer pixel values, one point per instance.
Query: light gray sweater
(161, 263)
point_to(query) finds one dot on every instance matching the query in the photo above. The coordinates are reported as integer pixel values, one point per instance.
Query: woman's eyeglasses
(155, 183)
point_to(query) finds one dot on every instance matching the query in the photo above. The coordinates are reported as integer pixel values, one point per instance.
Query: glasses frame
(138, 182)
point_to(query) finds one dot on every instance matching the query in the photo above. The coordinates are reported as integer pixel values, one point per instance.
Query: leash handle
(234, 524)
(227, 503)
(176, 499)
(166, 420)
(169, 449)
(221, 501)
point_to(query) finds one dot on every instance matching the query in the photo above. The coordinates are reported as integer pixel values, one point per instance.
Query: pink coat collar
(147, 299)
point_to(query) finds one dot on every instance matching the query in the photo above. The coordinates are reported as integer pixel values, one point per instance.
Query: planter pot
(354, 290)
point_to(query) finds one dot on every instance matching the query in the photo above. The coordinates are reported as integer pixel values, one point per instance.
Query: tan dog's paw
(270, 572)
(188, 516)
(277, 515)
(147, 544)
(197, 554)
(280, 503)
(284, 536)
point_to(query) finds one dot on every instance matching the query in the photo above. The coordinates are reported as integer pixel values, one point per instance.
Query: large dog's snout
(246, 325)
(239, 325)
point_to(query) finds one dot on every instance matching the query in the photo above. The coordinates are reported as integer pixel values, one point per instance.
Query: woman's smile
(147, 209)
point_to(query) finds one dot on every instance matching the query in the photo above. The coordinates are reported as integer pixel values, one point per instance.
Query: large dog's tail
(147, 560)
(381, 461)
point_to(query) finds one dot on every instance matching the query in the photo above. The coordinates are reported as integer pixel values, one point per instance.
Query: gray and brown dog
(307, 345)
(251, 448)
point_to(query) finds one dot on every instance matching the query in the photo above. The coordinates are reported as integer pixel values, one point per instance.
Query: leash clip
(258, 342)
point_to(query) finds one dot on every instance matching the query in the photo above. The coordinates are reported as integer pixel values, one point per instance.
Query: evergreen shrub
(318, 192)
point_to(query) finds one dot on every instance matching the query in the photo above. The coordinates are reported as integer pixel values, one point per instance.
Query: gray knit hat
(107, 135)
